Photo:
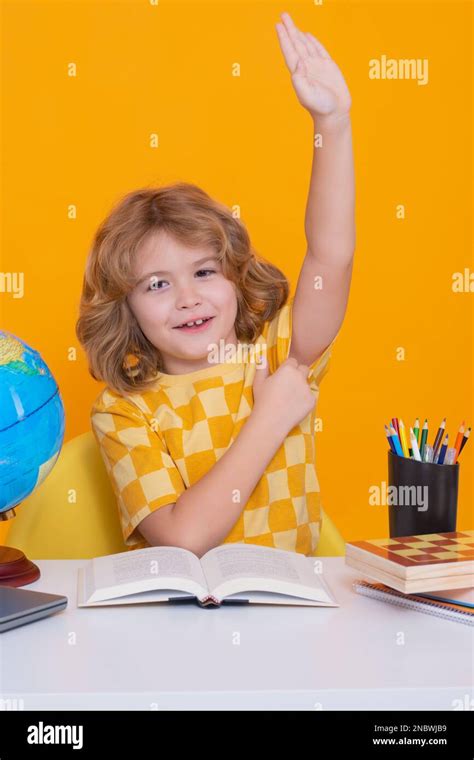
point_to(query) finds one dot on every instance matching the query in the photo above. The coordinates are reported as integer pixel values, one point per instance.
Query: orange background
(167, 69)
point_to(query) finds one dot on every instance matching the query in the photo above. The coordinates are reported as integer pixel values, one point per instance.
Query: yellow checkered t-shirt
(157, 443)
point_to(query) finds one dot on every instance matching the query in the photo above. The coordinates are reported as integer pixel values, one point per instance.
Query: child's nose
(187, 296)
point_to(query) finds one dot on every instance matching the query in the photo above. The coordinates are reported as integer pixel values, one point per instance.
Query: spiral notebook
(460, 613)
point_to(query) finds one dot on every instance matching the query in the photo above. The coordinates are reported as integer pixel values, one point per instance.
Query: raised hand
(318, 82)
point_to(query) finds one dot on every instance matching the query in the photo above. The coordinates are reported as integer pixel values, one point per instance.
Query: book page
(142, 597)
(233, 568)
(267, 597)
(155, 567)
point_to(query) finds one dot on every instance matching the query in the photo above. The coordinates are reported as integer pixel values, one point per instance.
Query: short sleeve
(142, 473)
(279, 341)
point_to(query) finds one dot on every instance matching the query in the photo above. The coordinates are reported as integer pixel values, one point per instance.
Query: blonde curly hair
(118, 352)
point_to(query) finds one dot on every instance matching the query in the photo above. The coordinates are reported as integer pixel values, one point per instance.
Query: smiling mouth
(194, 326)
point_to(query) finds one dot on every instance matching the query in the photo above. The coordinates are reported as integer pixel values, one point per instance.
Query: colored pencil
(416, 430)
(390, 440)
(442, 451)
(403, 437)
(424, 436)
(458, 441)
(464, 440)
(438, 439)
(414, 445)
(396, 441)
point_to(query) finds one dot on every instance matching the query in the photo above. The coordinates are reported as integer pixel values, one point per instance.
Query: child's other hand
(284, 397)
(318, 82)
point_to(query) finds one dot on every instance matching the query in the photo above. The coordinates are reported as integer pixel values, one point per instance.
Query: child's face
(173, 288)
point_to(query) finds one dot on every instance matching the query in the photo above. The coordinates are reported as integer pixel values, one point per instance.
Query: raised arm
(323, 285)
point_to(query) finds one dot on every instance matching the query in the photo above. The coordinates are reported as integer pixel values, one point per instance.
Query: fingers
(295, 363)
(297, 38)
(291, 56)
(304, 44)
(303, 368)
(318, 46)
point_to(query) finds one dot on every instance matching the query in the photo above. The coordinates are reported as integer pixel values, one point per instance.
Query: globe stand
(15, 567)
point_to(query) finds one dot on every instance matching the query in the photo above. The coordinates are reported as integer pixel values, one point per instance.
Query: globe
(31, 421)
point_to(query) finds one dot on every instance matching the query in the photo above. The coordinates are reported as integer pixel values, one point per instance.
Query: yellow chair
(73, 514)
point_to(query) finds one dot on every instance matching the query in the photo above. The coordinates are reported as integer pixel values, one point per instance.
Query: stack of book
(408, 567)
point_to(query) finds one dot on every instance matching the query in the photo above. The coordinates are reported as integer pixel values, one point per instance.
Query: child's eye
(154, 284)
(205, 270)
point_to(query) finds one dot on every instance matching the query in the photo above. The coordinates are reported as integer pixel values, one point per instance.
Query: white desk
(180, 657)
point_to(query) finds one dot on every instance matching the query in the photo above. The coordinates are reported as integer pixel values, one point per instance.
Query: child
(207, 430)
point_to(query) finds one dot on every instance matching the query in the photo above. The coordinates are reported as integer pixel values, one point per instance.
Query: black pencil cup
(425, 496)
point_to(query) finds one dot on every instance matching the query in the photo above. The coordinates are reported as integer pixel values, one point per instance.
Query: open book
(231, 573)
